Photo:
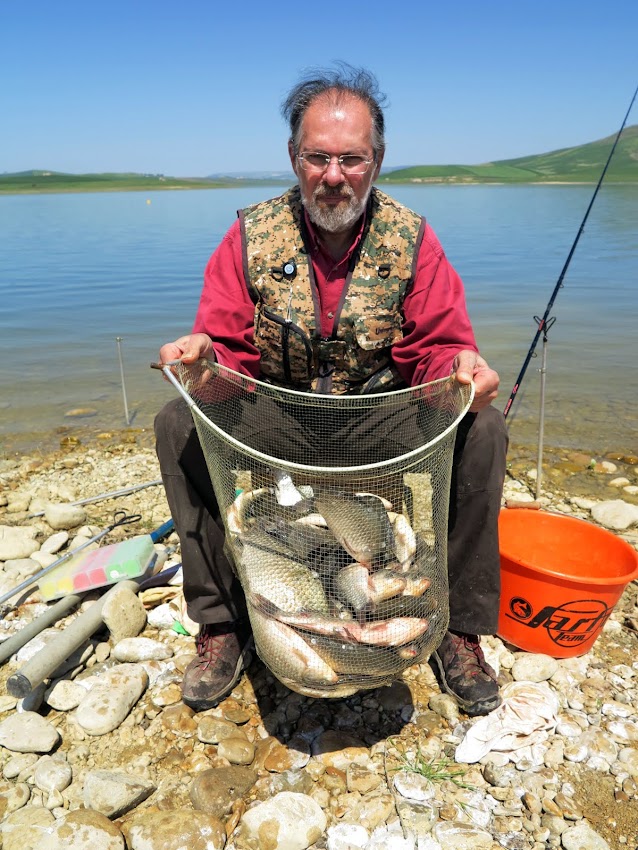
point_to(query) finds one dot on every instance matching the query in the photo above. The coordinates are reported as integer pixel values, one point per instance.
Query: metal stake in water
(118, 340)
(541, 426)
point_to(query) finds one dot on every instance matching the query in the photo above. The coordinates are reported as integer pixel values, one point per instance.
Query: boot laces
(211, 643)
(467, 649)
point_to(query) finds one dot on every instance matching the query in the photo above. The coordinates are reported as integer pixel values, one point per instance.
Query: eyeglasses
(349, 163)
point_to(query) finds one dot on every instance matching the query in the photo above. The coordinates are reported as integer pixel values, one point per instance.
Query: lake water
(79, 270)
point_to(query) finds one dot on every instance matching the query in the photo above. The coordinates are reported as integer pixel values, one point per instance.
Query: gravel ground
(104, 754)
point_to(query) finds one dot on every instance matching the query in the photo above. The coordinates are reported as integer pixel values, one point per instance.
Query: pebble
(289, 821)
(615, 514)
(174, 830)
(534, 668)
(55, 542)
(24, 828)
(13, 795)
(19, 764)
(212, 730)
(236, 750)
(347, 836)
(214, 791)
(82, 830)
(28, 732)
(141, 649)
(63, 517)
(113, 793)
(17, 542)
(7, 702)
(109, 702)
(582, 837)
(453, 835)
(123, 614)
(52, 774)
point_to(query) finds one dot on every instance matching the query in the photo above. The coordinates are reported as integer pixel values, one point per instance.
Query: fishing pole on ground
(543, 321)
(111, 495)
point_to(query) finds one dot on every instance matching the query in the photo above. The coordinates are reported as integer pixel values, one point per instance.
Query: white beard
(339, 218)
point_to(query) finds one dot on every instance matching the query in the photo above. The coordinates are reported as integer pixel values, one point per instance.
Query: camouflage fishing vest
(278, 270)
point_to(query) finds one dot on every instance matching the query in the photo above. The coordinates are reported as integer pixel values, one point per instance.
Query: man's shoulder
(288, 198)
(383, 199)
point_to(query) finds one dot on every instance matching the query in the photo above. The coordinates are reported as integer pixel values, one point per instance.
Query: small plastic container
(99, 568)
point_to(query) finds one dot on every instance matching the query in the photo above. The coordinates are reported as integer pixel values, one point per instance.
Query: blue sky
(194, 88)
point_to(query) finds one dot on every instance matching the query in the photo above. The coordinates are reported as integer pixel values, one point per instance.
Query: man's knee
(490, 431)
(480, 453)
(173, 424)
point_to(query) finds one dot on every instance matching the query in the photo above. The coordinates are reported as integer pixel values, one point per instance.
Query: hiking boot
(223, 651)
(465, 674)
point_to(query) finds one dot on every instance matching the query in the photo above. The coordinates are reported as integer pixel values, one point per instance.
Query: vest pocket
(379, 331)
(286, 351)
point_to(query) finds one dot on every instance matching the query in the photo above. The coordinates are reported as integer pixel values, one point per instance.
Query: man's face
(335, 200)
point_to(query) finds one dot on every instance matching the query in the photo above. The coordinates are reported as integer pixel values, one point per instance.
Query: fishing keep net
(335, 509)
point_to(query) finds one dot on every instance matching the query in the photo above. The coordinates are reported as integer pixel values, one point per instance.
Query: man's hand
(469, 366)
(188, 349)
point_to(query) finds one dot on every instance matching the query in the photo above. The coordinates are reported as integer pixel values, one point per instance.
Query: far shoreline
(239, 184)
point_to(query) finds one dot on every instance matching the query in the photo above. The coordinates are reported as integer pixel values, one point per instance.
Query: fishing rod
(542, 323)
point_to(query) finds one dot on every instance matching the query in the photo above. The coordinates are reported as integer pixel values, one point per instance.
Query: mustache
(344, 191)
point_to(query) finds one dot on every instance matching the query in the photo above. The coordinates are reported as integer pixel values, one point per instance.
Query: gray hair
(343, 81)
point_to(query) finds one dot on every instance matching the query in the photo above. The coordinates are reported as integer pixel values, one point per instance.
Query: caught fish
(313, 519)
(287, 654)
(268, 568)
(415, 586)
(310, 543)
(394, 632)
(236, 515)
(424, 607)
(362, 589)
(285, 491)
(358, 658)
(337, 691)
(404, 539)
(386, 504)
(360, 524)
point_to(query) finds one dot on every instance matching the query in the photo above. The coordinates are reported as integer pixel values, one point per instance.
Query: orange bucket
(560, 580)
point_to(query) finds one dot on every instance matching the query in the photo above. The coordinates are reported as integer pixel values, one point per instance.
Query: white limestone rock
(615, 514)
(62, 516)
(28, 732)
(113, 793)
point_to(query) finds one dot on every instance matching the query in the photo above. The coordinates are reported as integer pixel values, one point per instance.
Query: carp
(393, 632)
(287, 654)
(362, 589)
(359, 658)
(268, 568)
(361, 525)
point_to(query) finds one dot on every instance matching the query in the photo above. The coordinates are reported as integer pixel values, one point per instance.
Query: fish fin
(264, 606)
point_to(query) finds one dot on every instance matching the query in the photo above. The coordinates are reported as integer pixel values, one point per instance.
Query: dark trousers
(212, 591)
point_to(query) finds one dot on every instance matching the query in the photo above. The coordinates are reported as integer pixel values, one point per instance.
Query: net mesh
(335, 509)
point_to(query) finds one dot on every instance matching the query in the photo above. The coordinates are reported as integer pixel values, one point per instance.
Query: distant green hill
(582, 164)
(57, 181)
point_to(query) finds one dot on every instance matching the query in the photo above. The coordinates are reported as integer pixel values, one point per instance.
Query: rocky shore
(104, 755)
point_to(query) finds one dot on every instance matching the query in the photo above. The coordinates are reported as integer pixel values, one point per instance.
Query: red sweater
(435, 321)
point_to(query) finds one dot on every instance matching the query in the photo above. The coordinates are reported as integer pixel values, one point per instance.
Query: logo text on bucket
(567, 625)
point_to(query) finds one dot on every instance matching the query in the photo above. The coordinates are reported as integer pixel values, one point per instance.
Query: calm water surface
(79, 270)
